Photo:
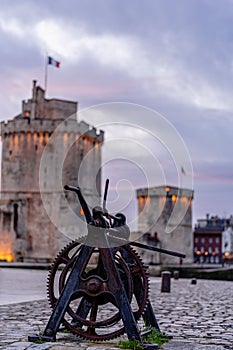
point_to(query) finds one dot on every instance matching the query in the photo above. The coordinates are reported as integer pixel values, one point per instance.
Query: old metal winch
(98, 286)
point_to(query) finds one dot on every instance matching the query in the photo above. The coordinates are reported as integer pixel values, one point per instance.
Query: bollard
(194, 281)
(166, 282)
(176, 275)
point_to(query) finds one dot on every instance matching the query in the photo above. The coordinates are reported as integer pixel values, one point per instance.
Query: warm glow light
(16, 141)
(143, 201)
(81, 211)
(21, 138)
(6, 257)
(174, 197)
(140, 203)
(198, 252)
(11, 141)
(206, 253)
(167, 189)
(227, 254)
(46, 137)
(28, 138)
(6, 247)
(35, 137)
(65, 137)
(184, 199)
(41, 138)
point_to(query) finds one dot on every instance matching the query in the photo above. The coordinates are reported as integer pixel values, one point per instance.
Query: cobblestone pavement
(197, 316)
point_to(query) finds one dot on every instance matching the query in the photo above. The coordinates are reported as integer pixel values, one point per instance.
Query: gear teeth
(54, 268)
(141, 270)
(144, 270)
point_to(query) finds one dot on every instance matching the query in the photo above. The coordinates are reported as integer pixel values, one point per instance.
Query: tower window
(6, 221)
(15, 218)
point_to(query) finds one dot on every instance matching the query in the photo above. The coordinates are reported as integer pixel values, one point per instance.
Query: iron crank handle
(155, 249)
(122, 241)
(82, 201)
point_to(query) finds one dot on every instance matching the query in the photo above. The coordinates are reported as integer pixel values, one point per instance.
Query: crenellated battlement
(18, 126)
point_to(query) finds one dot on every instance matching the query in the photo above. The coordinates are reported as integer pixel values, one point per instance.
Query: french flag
(53, 62)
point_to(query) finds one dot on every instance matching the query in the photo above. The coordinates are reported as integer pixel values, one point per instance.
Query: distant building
(167, 212)
(26, 232)
(213, 238)
(227, 243)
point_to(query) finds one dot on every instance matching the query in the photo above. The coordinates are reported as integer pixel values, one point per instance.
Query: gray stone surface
(197, 316)
(19, 285)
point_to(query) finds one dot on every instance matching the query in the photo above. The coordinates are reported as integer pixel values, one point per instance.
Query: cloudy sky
(173, 57)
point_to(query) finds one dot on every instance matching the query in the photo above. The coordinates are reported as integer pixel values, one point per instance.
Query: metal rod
(105, 194)
(155, 249)
(46, 74)
(123, 241)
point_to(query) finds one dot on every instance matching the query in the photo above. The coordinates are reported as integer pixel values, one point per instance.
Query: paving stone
(197, 318)
(17, 346)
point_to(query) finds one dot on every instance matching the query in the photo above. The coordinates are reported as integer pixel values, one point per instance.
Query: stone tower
(156, 215)
(32, 190)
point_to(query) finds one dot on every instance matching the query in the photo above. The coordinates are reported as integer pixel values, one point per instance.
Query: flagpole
(181, 180)
(182, 174)
(46, 73)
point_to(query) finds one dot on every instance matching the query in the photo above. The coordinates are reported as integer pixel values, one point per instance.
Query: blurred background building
(213, 240)
(165, 213)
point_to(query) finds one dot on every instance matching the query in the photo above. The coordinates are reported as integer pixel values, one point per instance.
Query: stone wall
(43, 149)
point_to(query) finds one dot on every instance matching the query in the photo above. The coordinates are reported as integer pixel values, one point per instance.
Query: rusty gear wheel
(92, 313)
